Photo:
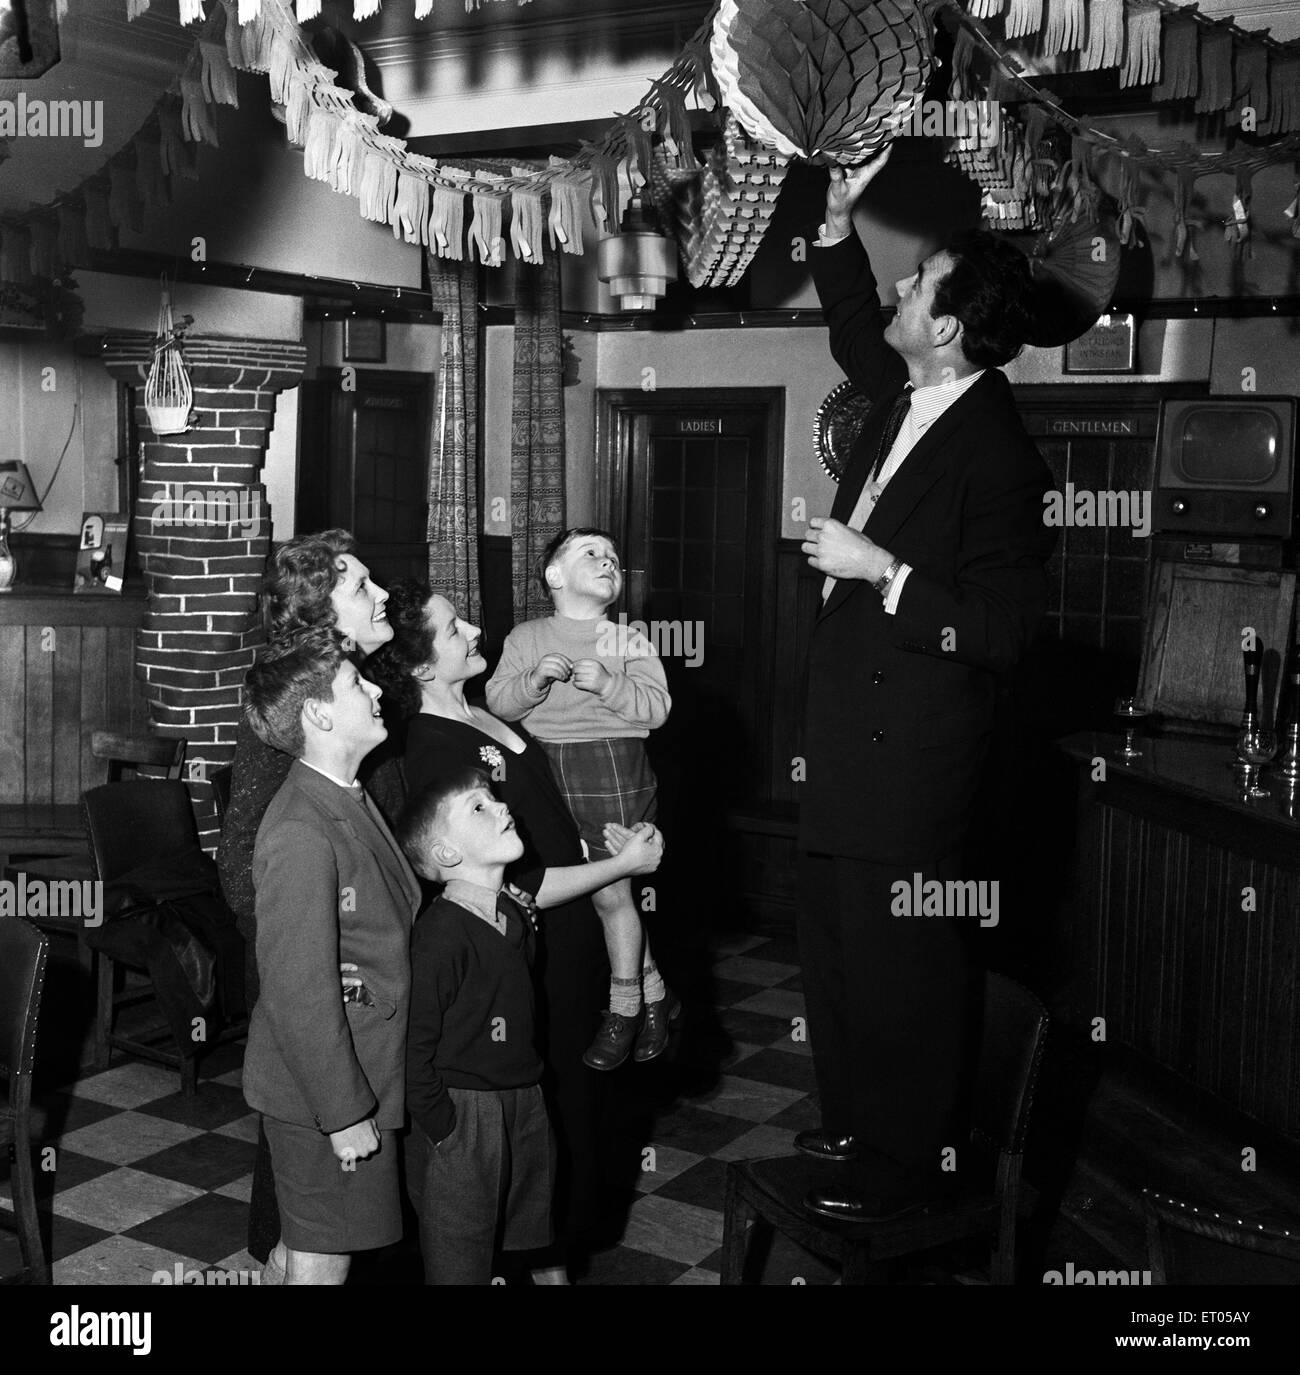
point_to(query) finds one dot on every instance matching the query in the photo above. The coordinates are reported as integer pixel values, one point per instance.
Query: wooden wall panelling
(13, 667)
(38, 730)
(1161, 947)
(60, 680)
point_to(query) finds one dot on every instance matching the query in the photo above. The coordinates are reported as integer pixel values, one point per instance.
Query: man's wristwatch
(887, 577)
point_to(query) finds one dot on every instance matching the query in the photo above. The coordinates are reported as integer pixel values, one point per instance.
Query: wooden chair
(23, 952)
(122, 755)
(770, 1192)
(1206, 1243)
(130, 825)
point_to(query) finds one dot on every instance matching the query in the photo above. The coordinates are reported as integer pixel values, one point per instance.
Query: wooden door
(691, 492)
(365, 466)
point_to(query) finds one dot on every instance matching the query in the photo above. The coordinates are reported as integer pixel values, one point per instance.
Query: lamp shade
(17, 491)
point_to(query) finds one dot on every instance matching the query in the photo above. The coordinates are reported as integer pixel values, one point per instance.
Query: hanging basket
(168, 395)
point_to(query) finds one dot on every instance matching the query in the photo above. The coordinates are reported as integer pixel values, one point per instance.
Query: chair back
(1011, 1049)
(23, 951)
(136, 752)
(220, 781)
(130, 825)
(1207, 1243)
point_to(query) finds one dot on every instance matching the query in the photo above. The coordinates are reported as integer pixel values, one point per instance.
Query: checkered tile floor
(143, 1181)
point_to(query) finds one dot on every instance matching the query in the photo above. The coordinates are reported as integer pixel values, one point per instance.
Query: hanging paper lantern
(167, 393)
(1075, 270)
(722, 210)
(821, 79)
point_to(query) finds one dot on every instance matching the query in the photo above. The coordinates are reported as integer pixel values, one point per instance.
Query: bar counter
(1183, 934)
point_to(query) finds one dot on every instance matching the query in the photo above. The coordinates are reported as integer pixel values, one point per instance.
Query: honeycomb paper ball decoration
(823, 80)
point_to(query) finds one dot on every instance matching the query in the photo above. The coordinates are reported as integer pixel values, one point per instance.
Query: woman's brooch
(489, 754)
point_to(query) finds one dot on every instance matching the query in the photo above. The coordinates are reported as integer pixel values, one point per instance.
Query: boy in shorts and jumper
(325, 1068)
(591, 692)
(482, 1164)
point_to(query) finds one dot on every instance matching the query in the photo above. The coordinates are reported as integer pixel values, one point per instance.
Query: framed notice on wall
(363, 340)
(1109, 346)
(101, 553)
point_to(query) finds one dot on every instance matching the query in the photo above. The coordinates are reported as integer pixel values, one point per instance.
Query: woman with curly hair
(425, 669)
(315, 580)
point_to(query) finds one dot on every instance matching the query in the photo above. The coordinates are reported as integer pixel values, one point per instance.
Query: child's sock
(625, 996)
(652, 983)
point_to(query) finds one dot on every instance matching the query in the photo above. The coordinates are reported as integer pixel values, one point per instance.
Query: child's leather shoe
(654, 1034)
(614, 1040)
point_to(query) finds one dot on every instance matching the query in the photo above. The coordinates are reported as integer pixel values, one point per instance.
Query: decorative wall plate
(840, 419)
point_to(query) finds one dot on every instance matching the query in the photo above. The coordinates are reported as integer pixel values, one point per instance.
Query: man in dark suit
(326, 1070)
(934, 584)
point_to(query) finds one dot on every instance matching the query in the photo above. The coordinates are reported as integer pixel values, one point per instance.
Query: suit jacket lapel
(921, 469)
(368, 832)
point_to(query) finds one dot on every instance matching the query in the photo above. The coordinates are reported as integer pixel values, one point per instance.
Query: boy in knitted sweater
(591, 692)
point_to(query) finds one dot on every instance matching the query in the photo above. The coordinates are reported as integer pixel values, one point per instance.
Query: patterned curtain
(536, 431)
(453, 464)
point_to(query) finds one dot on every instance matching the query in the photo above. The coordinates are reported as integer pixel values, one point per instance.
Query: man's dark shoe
(613, 1043)
(826, 1146)
(654, 1034)
(848, 1206)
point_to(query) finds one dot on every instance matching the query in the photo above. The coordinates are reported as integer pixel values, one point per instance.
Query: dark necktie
(893, 423)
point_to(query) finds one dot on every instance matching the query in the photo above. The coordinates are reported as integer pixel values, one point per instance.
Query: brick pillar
(203, 529)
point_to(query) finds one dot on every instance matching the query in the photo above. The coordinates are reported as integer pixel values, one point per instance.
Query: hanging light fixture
(168, 395)
(639, 262)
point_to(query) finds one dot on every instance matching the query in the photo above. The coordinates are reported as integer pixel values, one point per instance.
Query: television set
(1225, 467)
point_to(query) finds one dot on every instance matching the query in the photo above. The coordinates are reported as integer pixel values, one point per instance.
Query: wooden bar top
(1198, 771)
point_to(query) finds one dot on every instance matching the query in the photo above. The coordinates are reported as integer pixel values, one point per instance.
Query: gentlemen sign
(1092, 423)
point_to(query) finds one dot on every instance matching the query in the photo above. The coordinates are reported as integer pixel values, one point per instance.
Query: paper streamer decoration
(447, 223)
(218, 75)
(1292, 212)
(1250, 83)
(1141, 46)
(1024, 17)
(564, 222)
(15, 254)
(1216, 71)
(1066, 22)
(1236, 229)
(411, 208)
(1105, 46)
(1180, 36)
(124, 205)
(485, 230)
(99, 223)
(526, 220)
(819, 79)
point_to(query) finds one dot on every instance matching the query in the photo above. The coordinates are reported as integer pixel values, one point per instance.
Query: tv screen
(1228, 446)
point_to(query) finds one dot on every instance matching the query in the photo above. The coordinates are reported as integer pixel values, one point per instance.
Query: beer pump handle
(1250, 661)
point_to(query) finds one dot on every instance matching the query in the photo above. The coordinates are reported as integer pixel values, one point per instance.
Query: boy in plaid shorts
(591, 693)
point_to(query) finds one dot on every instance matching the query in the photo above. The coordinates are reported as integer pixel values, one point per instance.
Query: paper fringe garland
(424, 203)
(1105, 46)
(1142, 47)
